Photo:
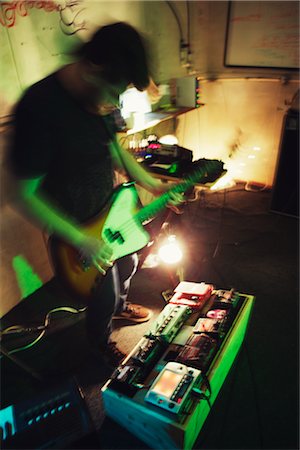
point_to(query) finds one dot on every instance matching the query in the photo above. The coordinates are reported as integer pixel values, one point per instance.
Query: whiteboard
(263, 34)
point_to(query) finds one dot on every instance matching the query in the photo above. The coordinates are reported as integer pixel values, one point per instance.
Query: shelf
(152, 119)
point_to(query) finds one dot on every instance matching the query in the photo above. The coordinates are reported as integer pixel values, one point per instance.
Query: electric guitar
(119, 224)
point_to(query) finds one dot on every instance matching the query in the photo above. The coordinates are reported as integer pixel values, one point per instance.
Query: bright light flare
(168, 139)
(170, 252)
(226, 181)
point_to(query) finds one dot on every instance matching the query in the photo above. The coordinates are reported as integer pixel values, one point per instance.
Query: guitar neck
(158, 204)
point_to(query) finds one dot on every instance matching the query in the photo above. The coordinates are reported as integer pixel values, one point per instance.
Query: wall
(204, 24)
(38, 37)
(243, 106)
(240, 123)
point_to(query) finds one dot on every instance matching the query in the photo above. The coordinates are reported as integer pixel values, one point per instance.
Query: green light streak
(28, 280)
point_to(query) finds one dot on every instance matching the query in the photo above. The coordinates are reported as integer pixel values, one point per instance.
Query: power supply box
(188, 92)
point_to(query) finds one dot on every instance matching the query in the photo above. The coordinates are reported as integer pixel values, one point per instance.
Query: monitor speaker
(285, 193)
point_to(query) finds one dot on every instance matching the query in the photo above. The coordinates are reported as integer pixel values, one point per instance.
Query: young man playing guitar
(64, 154)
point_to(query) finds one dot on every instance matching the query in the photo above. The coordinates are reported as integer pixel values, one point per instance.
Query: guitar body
(117, 226)
(120, 226)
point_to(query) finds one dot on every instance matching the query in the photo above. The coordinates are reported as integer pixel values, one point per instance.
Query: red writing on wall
(10, 10)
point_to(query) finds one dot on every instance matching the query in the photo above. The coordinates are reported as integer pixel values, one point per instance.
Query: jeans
(109, 299)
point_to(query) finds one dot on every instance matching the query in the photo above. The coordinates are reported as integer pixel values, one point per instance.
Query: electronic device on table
(169, 152)
(171, 388)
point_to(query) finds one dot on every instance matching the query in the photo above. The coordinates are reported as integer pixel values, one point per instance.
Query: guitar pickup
(114, 236)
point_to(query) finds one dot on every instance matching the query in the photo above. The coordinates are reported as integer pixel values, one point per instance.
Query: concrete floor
(232, 240)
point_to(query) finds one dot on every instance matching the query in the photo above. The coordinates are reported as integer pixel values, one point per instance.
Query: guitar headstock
(207, 170)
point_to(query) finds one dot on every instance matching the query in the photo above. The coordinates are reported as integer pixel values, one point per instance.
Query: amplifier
(188, 92)
(285, 192)
(57, 418)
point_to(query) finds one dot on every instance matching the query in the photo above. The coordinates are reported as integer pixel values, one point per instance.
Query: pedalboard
(207, 315)
(167, 386)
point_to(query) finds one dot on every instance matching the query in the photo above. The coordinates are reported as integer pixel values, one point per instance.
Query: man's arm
(38, 208)
(138, 173)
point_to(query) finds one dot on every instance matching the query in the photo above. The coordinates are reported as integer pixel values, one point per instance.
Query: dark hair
(122, 52)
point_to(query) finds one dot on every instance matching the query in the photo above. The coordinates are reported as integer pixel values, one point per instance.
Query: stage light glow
(134, 101)
(170, 252)
(28, 280)
(225, 182)
(168, 139)
(151, 261)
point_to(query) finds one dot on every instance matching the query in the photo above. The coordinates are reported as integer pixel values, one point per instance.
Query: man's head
(118, 53)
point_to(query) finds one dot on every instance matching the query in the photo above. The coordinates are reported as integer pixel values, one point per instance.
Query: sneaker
(111, 354)
(134, 313)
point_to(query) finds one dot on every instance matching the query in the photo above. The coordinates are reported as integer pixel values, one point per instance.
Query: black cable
(202, 396)
(188, 25)
(206, 383)
(220, 225)
(42, 329)
(182, 43)
(177, 20)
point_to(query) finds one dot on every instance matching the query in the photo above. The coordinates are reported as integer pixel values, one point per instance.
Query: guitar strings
(162, 201)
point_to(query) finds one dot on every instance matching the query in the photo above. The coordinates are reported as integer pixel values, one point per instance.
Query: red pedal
(191, 294)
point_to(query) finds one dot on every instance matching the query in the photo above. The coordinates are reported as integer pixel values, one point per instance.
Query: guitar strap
(117, 149)
(116, 145)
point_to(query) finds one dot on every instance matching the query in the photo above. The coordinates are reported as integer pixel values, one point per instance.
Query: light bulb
(170, 252)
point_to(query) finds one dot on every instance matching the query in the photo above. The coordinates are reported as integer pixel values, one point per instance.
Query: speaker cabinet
(285, 193)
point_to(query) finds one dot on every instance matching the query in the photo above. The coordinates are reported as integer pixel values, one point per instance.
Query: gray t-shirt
(56, 137)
